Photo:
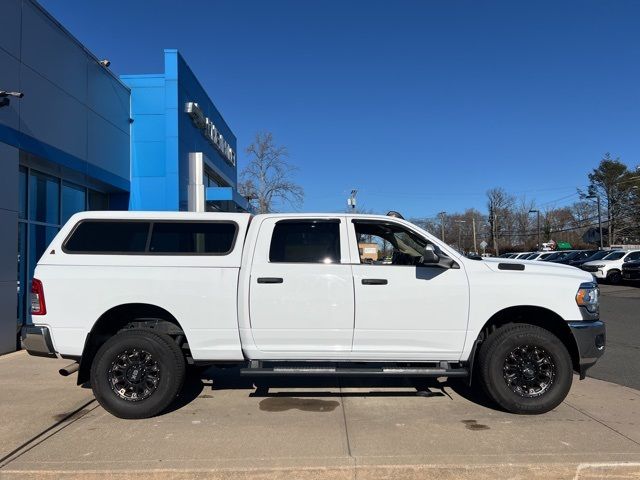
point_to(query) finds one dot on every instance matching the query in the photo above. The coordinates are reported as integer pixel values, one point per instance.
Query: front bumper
(631, 274)
(590, 337)
(37, 341)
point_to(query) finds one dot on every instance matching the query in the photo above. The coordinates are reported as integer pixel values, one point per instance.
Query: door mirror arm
(431, 259)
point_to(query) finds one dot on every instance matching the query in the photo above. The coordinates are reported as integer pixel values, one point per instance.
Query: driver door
(403, 309)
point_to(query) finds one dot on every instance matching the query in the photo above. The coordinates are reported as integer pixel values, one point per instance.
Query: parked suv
(631, 270)
(597, 255)
(576, 256)
(610, 267)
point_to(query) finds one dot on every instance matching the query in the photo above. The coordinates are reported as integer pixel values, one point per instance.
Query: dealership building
(82, 138)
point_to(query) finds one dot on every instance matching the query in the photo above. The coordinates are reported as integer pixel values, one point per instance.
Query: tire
(614, 277)
(525, 369)
(121, 363)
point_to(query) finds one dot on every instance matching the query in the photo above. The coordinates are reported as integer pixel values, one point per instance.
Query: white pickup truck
(135, 298)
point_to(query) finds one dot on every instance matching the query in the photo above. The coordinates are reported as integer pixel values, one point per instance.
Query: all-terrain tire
(515, 358)
(137, 373)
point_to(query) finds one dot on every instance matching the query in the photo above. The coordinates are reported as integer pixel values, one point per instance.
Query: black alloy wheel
(137, 373)
(529, 371)
(134, 375)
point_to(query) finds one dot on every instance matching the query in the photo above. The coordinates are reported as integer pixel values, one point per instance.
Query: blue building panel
(163, 135)
(149, 150)
(149, 128)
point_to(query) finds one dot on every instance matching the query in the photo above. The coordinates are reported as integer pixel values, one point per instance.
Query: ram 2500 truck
(135, 298)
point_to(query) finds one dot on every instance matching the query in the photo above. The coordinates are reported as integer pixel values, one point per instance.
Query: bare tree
(523, 223)
(267, 179)
(499, 204)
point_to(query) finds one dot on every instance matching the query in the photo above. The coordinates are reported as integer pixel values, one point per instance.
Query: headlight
(588, 296)
(597, 266)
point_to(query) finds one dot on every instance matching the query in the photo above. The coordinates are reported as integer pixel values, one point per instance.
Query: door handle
(270, 280)
(374, 281)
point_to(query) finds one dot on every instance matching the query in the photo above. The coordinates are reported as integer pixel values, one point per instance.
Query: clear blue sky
(421, 105)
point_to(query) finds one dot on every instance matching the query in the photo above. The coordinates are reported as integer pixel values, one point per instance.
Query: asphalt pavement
(620, 309)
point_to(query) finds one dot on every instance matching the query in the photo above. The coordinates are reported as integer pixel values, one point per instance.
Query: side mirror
(430, 256)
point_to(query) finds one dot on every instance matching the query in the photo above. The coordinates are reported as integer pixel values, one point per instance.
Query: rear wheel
(525, 369)
(137, 373)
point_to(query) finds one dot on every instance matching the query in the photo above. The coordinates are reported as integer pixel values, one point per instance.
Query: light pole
(442, 214)
(533, 210)
(597, 197)
(494, 234)
(460, 222)
(475, 241)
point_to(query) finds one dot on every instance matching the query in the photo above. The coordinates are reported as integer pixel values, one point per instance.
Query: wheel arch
(125, 316)
(531, 315)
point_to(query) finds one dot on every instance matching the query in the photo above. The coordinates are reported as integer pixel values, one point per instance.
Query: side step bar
(310, 371)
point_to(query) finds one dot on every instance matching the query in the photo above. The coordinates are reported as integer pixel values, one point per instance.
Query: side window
(93, 236)
(209, 238)
(633, 256)
(305, 241)
(389, 244)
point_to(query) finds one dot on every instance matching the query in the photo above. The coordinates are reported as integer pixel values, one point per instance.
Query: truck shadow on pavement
(204, 384)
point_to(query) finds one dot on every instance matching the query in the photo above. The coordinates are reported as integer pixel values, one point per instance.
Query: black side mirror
(429, 256)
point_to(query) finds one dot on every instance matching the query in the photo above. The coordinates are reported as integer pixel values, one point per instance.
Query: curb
(558, 471)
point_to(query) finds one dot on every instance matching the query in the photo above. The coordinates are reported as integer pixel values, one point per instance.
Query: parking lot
(620, 309)
(225, 426)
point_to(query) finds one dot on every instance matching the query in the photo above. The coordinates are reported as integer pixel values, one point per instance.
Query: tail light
(38, 306)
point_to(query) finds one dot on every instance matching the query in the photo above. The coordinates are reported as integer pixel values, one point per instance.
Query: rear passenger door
(301, 294)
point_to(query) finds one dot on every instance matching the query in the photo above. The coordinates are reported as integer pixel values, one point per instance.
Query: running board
(308, 371)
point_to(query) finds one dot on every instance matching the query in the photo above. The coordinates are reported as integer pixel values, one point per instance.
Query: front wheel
(137, 373)
(614, 277)
(525, 369)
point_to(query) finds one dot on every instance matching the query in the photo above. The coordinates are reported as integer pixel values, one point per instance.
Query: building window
(22, 193)
(74, 200)
(211, 179)
(22, 268)
(44, 203)
(98, 201)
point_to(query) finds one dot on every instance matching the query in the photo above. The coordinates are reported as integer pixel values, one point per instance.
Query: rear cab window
(141, 237)
(305, 241)
(109, 236)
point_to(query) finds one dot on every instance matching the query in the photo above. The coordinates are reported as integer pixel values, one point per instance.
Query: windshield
(553, 256)
(598, 255)
(614, 256)
(571, 255)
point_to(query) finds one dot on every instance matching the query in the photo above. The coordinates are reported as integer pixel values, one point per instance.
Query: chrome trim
(36, 341)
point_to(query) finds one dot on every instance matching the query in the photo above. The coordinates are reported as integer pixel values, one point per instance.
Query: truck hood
(539, 268)
(602, 262)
